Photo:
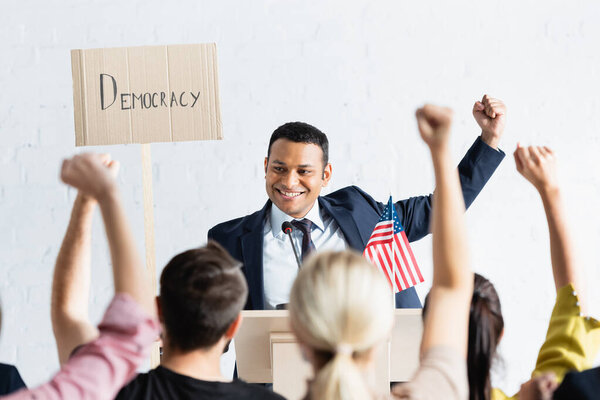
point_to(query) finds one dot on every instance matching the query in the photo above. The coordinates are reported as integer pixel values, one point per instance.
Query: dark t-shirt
(10, 380)
(162, 383)
(580, 386)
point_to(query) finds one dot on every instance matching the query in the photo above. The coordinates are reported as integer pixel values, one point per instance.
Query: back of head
(202, 291)
(301, 132)
(485, 330)
(340, 307)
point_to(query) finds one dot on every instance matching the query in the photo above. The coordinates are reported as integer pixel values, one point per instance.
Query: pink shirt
(100, 368)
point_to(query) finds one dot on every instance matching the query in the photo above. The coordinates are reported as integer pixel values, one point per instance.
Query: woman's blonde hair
(341, 307)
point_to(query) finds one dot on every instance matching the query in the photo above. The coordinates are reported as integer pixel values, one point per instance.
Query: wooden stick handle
(149, 233)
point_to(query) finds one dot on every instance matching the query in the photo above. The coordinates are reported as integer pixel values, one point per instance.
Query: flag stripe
(389, 270)
(399, 268)
(376, 262)
(392, 268)
(411, 262)
(413, 266)
(389, 267)
(379, 241)
(406, 265)
(403, 285)
(412, 256)
(382, 266)
(380, 234)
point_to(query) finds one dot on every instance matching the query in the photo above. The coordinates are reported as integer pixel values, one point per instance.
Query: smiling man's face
(294, 176)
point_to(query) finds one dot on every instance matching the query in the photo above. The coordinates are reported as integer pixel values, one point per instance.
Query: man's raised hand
(434, 125)
(94, 175)
(490, 114)
(538, 165)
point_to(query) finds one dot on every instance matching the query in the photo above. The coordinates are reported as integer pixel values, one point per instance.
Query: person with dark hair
(98, 369)
(202, 293)
(297, 167)
(572, 340)
(486, 326)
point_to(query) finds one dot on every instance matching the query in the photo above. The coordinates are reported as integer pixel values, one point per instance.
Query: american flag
(389, 250)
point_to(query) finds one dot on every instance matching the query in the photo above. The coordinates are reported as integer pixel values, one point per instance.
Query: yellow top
(572, 341)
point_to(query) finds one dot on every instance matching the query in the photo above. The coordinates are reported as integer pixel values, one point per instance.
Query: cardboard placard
(146, 94)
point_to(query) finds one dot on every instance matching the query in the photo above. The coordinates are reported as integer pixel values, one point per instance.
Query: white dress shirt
(279, 264)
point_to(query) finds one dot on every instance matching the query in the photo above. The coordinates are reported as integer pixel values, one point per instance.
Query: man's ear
(234, 327)
(266, 162)
(159, 309)
(327, 174)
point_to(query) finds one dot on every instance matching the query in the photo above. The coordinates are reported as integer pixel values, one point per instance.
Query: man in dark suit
(296, 168)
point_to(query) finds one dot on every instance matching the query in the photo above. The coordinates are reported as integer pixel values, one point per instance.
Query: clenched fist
(94, 175)
(538, 165)
(490, 114)
(434, 125)
(539, 388)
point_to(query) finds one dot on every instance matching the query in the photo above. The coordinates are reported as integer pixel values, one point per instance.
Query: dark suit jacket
(356, 213)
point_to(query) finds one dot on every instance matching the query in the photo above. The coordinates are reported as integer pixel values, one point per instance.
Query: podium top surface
(253, 343)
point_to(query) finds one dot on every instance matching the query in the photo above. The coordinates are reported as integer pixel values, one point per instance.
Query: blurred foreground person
(98, 369)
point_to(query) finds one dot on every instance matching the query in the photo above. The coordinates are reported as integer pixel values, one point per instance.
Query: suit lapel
(252, 256)
(347, 224)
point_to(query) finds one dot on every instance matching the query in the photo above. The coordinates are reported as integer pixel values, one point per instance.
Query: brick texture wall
(357, 70)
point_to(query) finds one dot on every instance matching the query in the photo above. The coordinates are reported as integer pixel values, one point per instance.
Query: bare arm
(538, 166)
(129, 272)
(71, 282)
(564, 267)
(446, 322)
(88, 173)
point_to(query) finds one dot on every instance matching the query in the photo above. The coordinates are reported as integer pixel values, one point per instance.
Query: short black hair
(301, 132)
(202, 291)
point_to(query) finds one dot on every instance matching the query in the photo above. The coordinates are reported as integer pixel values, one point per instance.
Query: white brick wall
(355, 69)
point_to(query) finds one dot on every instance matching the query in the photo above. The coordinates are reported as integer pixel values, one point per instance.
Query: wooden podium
(267, 352)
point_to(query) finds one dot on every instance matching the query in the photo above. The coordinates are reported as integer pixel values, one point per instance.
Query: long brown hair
(485, 329)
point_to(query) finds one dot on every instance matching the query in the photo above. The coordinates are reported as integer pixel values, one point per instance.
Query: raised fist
(490, 114)
(434, 125)
(538, 165)
(541, 387)
(94, 175)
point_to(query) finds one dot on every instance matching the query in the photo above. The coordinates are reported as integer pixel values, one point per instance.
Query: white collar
(278, 217)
